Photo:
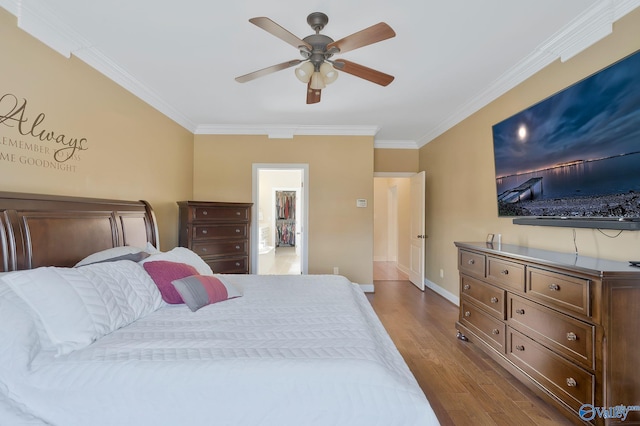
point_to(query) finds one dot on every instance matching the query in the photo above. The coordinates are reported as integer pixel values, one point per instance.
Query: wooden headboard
(48, 230)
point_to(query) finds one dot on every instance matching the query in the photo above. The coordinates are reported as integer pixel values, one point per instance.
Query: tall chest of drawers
(565, 325)
(218, 232)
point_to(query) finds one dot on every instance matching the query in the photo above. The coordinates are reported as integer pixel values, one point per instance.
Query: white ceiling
(449, 58)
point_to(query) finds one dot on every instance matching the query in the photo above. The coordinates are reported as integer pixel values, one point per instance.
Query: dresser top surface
(577, 262)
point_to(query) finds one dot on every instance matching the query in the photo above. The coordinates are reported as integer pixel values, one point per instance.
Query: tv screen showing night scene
(577, 153)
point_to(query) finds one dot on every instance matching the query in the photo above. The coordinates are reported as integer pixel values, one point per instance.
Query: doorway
(280, 219)
(395, 254)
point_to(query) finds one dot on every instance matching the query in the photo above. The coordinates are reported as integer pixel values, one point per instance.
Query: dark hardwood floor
(464, 386)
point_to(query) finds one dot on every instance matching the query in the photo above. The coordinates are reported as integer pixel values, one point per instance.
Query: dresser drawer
(506, 273)
(490, 297)
(229, 265)
(489, 329)
(220, 213)
(570, 383)
(471, 263)
(564, 334)
(563, 291)
(219, 248)
(207, 232)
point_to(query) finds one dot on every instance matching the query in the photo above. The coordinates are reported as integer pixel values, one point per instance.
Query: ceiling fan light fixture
(305, 71)
(317, 82)
(329, 74)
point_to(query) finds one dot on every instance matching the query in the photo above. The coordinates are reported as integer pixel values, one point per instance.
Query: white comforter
(294, 350)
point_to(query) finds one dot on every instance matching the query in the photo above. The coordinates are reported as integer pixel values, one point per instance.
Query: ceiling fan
(317, 69)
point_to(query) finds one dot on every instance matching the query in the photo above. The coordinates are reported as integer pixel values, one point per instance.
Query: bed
(97, 343)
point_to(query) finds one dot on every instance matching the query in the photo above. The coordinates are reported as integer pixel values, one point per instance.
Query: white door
(416, 256)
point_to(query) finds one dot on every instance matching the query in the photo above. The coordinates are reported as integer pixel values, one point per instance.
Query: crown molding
(395, 144)
(285, 131)
(590, 27)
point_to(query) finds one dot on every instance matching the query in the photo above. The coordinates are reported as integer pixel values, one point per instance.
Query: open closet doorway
(280, 206)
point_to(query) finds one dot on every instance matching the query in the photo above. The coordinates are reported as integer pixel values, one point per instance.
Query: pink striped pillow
(202, 290)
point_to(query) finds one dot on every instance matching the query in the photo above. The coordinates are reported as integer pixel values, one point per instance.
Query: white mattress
(294, 350)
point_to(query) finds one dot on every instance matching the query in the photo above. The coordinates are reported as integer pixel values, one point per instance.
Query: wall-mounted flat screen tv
(577, 153)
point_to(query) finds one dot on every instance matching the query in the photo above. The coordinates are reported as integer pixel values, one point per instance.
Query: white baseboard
(367, 288)
(442, 292)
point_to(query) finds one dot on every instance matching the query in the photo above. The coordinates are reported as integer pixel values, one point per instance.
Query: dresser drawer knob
(519, 348)
(495, 331)
(471, 262)
(204, 231)
(520, 311)
(238, 213)
(204, 212)
(204, 249)
(237, 231)
(571, 382)
(467, 314)
(494, 300)
(571, 336)
(237, 263)
(467, 286)
(237, 247)
(554, 287)
(505, 272)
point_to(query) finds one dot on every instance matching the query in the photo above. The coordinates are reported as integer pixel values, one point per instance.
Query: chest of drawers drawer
(570, 383)
(506, 273)
(220, 213)
(229, 265)
(471, 263)
(490, 297)
(219, 248)
(564, 334)
(562, 291)
(206, 232)
(491, 329)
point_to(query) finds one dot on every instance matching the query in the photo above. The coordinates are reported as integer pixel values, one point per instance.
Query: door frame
(417, 201)
(304, 220)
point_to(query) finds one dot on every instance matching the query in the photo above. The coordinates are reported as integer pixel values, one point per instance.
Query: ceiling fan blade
(271, 27)
(363, 72)
(313, 95)
(268, 70)
(373, 34)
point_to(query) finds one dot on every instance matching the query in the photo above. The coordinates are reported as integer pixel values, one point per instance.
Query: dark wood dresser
(217, 232)
(565, 325)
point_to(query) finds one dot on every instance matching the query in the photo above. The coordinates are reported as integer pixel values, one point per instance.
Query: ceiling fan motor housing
(319, 53)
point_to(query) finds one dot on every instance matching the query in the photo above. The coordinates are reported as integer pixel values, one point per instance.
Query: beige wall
(340, 172)
(131, 151)
(395, 160)
(461, 192)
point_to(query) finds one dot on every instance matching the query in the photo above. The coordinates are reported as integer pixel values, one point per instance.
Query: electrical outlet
(336, 271)
(441, 273)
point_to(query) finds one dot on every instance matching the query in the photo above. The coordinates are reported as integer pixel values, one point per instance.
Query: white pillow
(19, 337)
(110, 253)
(79, 305)
(181, 255)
